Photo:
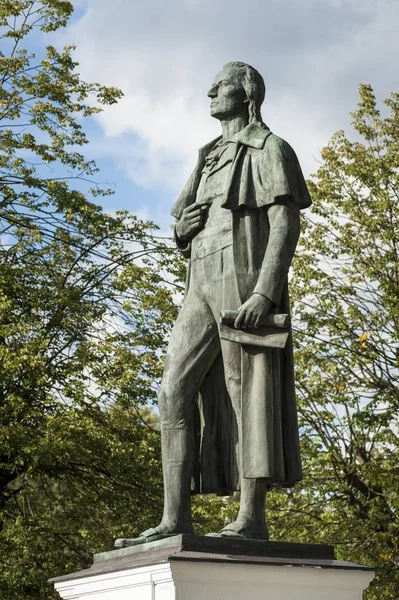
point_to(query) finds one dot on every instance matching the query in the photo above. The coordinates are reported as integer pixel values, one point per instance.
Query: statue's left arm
(284, 222)
(284, 232)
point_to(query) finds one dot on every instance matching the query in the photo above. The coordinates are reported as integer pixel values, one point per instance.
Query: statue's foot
(245, 531)
(152, 535)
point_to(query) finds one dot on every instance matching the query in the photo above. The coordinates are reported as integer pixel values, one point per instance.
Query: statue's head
(237, 89)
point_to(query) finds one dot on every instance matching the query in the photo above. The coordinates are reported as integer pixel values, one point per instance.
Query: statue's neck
(232, 126)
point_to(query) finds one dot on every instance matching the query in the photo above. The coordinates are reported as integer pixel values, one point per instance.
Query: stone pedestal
(187, 567)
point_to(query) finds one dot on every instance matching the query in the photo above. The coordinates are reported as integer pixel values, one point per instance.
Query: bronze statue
(227, 404)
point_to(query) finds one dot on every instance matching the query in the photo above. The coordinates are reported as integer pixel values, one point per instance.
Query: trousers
(195, 343)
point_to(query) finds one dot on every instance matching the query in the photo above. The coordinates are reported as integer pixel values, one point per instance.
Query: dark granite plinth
(213, 549)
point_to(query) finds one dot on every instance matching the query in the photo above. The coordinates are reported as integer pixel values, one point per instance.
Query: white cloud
(313, 55)
(167, 131)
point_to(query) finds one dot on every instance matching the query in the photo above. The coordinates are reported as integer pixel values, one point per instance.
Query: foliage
(84, 311)
(102, 480)
(345, 291)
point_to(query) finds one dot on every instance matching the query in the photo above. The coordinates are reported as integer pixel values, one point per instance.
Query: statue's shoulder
(277, 144)
(261, 138)
(204, 150)
(279, 150)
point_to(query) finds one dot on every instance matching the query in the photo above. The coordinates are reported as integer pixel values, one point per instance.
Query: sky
(164, 54)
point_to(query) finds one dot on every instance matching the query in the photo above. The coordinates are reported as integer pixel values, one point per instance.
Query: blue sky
(313, 54)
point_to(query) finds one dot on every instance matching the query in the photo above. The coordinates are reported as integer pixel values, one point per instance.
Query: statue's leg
(251, 517)
(193, 347)
(177, 462)
(250, 521)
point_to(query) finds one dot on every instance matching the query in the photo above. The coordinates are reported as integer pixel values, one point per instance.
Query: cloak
(265, 443)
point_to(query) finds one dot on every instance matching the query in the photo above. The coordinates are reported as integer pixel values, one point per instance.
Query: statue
(227, 409)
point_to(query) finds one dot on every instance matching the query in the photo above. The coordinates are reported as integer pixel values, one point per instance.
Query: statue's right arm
(184, 247)
(188, 225)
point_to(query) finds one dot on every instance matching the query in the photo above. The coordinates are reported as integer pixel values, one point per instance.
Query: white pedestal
(181, 574)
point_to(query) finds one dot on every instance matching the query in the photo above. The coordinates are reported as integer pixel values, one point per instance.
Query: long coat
(264, 170)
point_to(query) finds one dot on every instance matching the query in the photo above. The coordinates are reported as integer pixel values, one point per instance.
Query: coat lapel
(188, 195)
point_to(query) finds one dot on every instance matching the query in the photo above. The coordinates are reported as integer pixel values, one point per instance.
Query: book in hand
(273, 332)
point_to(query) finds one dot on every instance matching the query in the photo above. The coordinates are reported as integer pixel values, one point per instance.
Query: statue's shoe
(233, 530)
(150, 535)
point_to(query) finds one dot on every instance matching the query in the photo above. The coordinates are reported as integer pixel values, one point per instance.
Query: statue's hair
(254, 86)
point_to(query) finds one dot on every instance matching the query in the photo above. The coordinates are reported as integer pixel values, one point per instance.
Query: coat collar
(252, 135)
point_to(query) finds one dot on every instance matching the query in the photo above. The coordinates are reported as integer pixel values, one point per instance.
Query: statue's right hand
(191, 220)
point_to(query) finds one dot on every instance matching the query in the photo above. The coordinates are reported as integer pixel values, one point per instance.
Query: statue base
(189, 567)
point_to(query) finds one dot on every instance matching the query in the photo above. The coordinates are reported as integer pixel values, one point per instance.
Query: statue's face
(227, 94)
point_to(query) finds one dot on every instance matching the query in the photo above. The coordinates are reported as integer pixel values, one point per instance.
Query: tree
(84, 310)
(345, 291)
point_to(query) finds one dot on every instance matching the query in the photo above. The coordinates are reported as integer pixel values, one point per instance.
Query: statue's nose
(213, 92)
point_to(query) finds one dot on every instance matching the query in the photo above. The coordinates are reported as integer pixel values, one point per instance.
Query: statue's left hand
(252, 312)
